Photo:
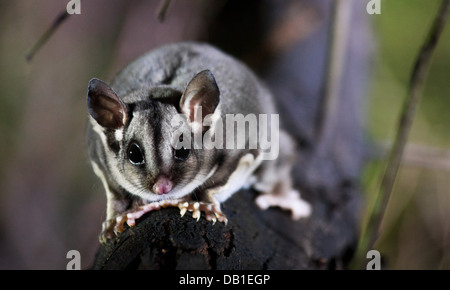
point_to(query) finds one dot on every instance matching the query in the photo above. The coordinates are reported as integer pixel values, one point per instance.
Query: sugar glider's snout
(163, 185)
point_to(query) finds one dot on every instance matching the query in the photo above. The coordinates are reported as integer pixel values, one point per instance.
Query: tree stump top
(253, 239)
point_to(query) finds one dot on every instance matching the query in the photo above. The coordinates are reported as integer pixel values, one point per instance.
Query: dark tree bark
(252, 239)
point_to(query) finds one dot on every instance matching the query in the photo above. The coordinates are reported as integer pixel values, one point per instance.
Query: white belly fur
(238, 179)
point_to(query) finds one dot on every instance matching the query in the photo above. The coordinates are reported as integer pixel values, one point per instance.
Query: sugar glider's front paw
(112, 227)
(290, 200)
(107, 231)
(212, 211)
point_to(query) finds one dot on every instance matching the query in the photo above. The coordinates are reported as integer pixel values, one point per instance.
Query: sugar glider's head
(148, 140)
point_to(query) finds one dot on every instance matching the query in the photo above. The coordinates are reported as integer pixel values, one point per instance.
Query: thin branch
(162, 11)
(415, 87)
(418, 155)
(47, 34)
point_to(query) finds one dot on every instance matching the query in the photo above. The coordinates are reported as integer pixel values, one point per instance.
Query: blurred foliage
(415, 230)
(401, 29)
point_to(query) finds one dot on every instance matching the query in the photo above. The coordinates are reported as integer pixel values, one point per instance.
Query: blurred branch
(163, 10)
(339, 31)
(47, 34)
(420, 155)
(370, 232)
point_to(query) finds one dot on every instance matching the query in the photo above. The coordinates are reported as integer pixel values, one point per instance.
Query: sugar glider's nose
(162, 185)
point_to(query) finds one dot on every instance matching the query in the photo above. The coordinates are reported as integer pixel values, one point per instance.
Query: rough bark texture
(253, 239)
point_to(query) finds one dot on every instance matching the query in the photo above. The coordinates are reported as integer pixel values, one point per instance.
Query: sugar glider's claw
(112, 227)
(183, 208)
(120, 224)
(107, 231)
(196, 214)
(212, 218)
(219, 215)
(196, 211)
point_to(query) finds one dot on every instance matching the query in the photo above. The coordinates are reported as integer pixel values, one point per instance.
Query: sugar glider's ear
(105, 106)
(202, 91)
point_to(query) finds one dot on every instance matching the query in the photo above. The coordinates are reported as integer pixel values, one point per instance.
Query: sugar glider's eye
(135, 154)
(181, 154)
